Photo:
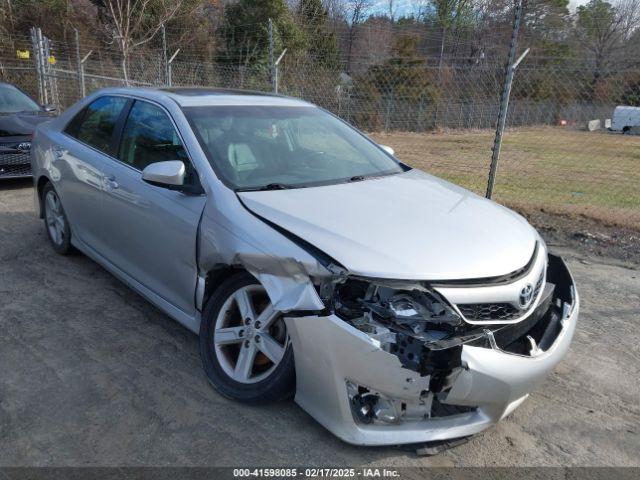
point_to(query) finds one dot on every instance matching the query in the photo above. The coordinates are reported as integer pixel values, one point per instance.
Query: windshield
(258, 147)
(13, 100)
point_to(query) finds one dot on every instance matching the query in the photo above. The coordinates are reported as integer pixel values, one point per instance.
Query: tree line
(364, 40)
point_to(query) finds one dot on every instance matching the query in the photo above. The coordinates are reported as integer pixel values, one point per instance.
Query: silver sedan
(396, 307)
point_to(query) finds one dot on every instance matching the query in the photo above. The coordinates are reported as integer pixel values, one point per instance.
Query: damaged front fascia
(426, 340)
(433, 344)
(307, 281)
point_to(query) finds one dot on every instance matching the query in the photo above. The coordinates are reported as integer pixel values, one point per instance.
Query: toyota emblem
(526, 295)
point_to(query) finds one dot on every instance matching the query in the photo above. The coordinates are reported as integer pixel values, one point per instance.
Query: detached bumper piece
(14, 163)
(377, 380)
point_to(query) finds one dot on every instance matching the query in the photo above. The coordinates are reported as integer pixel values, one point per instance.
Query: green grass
(563, 170)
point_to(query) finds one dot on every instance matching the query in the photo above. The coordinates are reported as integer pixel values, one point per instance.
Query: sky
(402, 7)
(407, 7)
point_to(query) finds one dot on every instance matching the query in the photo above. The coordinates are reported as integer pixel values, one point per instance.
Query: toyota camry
(394, 306)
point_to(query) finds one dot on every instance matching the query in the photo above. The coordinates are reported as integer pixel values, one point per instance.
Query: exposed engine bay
(415, 323)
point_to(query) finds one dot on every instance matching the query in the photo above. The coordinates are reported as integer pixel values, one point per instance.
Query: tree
(322, 43)
(400, 80)
(132, 23)
(356, 12)
(603, 30)
(55, 16)
(6, 17)
(447, 14)
(404, 73)
(545, 18)
(631, 92)
(246, 30)
(392, 8)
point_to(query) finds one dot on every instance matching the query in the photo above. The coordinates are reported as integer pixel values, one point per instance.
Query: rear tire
(626, 130)
(245, 350)
(55, 221)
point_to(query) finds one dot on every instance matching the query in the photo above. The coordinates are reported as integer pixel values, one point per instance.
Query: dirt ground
(92, 374)
(591, 237)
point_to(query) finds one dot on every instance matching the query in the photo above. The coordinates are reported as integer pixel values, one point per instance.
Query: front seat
(242, 159)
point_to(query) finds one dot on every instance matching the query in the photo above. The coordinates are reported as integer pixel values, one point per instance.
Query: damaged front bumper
(364, 394)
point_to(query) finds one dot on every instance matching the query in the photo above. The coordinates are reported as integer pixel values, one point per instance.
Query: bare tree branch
(133, 24)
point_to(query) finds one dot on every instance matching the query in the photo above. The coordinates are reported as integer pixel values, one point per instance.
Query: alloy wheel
(54, 218)
(249, 337)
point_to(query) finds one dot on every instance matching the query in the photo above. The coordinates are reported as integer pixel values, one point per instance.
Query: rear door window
(96, 123)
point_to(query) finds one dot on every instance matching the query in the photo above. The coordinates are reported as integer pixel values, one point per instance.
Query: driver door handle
(110, 183)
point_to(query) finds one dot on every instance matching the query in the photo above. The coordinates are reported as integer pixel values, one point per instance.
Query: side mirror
(388, 149)
(49, 108)
(165, 174)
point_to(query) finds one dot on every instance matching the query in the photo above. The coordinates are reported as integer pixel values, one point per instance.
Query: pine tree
(246, 31)
(322, 44)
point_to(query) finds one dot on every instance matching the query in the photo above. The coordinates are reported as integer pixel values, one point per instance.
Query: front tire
(56, 222)
(245, 350)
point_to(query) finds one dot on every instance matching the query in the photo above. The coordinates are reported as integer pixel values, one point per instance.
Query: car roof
(2, 82)
(206, 96)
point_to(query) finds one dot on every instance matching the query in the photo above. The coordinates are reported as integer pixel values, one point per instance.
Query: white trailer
(626, 119)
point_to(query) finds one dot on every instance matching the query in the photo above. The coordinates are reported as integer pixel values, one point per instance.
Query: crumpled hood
(18, 124)
(410, 226)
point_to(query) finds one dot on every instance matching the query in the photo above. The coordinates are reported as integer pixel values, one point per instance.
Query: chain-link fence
(440, 119)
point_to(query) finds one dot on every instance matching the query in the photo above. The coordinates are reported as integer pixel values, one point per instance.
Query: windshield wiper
(23, 112)
(359, 178)
(269, 186)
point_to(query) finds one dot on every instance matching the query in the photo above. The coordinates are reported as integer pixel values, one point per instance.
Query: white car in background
(626, 119)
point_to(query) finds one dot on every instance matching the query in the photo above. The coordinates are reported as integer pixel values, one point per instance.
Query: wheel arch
(215, 277)
(40, 184)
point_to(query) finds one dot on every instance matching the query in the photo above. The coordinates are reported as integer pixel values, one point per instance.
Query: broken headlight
(408, 320)
(414, 309)
(411, 309)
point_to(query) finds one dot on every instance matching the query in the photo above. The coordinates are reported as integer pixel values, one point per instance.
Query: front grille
(16, 164)
(487, 312)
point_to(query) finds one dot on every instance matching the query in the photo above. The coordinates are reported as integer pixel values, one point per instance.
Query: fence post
(170, 68)
(504, 101)
(79, 66)
(82, 83)
(272, 64)
(387, 111)
(53, 79)
(276, 83)
(43, 65)
(165, 61)
(36, 57)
